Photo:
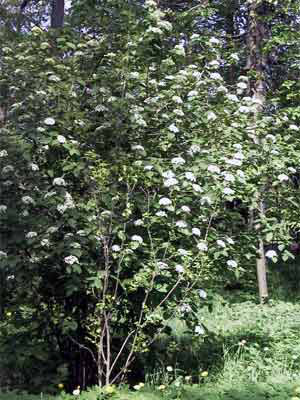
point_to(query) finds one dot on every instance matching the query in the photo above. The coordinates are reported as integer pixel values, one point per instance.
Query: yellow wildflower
(109, 389)
(60, 386)
(204, 374)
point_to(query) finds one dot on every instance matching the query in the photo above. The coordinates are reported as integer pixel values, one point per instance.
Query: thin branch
(81, 346)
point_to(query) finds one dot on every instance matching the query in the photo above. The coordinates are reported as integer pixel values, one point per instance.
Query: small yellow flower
(36, 29)
(8, 314)
(161, 387)
(297, 390)
(60, 386)
(109, 389)
(139, 386)
(204, 374)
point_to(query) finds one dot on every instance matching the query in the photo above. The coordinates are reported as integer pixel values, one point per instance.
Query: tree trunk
(256, 64)
(58, 13)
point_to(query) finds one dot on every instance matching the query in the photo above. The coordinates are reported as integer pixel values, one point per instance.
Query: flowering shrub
(135, 181)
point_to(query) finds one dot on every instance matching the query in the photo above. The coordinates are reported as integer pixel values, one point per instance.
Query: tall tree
(58, 13)
(257, 61)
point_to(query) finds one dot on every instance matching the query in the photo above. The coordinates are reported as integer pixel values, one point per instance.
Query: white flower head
(211, 116)
(162, 265)
(134, 75)
(244, 109)
(54, 78)
(31, 235)
(201, 246)
(59, 182)
(221, 243)
(137, 238)
(178, 161)
(3, 254)
(206, 200)
(185, 308)
(161, 214)
(197, 188)
(183, 252)
(177, 99)
(3, 153)
(202, 293)
(192, 93)
(148, 167)
(214, 64)
(228, 177)
(186, 209)
(173, 128)
(234, 56)
(170, 182)
(190, 176)
(81, 233)
(181, 224)
(231, 263)
(232, 97)
(271, 254)
(27, 200)
(115, 248)
(7, 169)
(3, 209)
(229, 240)
(76, 392)
(169, 368)
(45, 243)
(168, 174)
(71, 260)
(293, 127)
(164, 201)
(61, 139)
(214, 169)
(214, 40)
(196, 232)
(199, 330)
(234, 161)
(138, 222)
(178, 112)
(228, 191)
(194, 149)
(216, 76)
(242, 85)
(49, 121)
(282, 177)
(33, 167)
(179, 268)
(137, 147)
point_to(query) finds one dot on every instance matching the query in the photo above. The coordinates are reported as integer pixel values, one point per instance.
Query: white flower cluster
(3, 209)
(137, 238)
(31, 235)
(27, 200)
(71, 260)
(49, 121)
(3, 153)
(68, 204)
(59, 182)
(178, 161)
(7, 169)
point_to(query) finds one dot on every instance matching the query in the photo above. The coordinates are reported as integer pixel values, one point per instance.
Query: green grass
(254, 354)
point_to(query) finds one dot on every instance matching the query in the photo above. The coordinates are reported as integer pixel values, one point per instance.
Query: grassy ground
(254, 354)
